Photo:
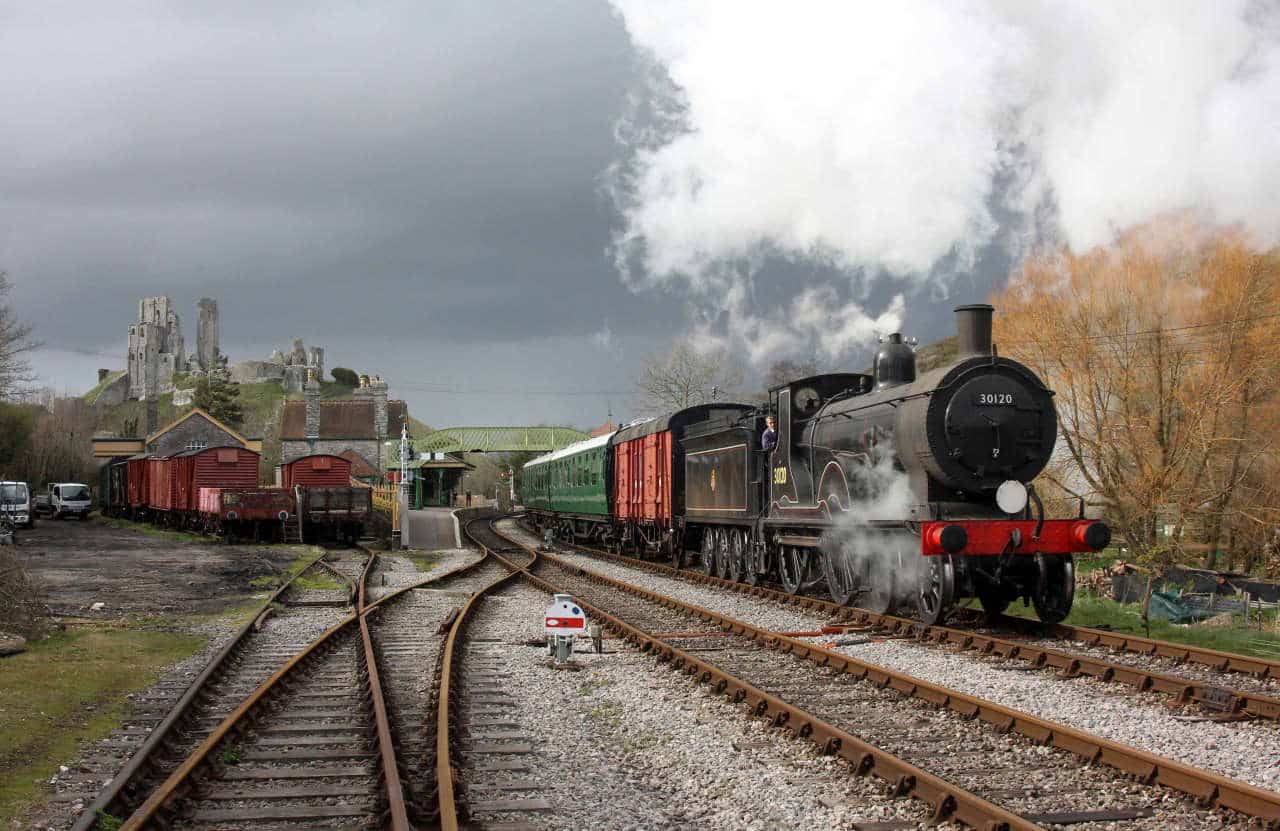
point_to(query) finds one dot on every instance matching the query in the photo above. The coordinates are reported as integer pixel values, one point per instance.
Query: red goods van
(137, 493)
(320, 470)
(642, 478)
(162, 484)
(213, 467)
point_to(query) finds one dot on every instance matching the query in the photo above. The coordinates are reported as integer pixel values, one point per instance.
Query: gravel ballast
(394, 571)
(666, 752)
(1248, 751)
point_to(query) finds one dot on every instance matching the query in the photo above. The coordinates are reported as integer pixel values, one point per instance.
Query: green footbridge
(497, 439)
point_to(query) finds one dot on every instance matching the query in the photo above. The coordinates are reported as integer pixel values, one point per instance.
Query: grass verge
(1104, 613)
(306, 556)
(69, 689)
(427, 561)
(149, 530)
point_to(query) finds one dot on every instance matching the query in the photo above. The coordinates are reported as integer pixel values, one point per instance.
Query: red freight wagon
(642, 482)
(213, 467)
(245, 505)
(136, 479)
(648, 476)
(317, 471)
(162, 484)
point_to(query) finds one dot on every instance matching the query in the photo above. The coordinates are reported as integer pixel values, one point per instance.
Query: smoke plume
(896, 142)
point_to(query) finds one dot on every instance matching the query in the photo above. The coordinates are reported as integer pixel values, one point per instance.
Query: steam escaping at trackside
(880, 492)
(898, 141)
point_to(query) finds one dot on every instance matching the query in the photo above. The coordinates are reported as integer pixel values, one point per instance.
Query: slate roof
(359, 467)
(350, 420)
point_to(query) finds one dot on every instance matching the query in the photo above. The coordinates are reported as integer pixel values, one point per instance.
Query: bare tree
(60, 448)
(686, 376)
(786, 371)
(15, 344)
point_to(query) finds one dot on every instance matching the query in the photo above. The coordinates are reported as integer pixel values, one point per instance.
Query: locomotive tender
(896, 490)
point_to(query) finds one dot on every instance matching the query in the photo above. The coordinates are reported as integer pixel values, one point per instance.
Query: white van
(66, 499)
(15, 503)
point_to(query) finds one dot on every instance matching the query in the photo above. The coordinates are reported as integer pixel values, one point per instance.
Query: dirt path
(133, 572)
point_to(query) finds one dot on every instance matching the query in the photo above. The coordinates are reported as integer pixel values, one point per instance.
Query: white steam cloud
(897, 140)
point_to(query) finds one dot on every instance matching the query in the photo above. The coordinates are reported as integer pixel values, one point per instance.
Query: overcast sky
(431, 191)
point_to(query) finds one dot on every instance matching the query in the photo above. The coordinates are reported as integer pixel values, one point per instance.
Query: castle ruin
(290, 368)
(157, 351)
(207, 334)
(156, 348)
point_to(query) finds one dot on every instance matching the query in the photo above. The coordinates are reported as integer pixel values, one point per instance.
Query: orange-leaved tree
(1164, 352)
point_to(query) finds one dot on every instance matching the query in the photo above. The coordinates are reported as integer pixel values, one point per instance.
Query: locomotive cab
(790, 464)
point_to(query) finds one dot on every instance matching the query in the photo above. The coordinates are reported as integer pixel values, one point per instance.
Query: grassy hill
(261, 403)
(934, 355)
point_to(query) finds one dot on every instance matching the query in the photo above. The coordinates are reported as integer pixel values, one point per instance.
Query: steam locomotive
(895, 490)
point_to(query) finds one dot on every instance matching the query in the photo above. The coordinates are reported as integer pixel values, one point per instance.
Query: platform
(433, 529)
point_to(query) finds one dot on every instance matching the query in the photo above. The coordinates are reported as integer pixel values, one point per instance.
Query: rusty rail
(396, 805)
(108, 800)
(1213, 698)
(235, 723)
(177, 783)
(445, 796)
(1122, 642)
(1208, 787)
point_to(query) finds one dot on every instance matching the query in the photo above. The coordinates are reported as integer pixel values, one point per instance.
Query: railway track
(924, 740)
(1224, 686)
(300, 732)
(173, 727)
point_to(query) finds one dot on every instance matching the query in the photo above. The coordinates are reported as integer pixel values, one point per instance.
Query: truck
(63, 499)
(15, 503)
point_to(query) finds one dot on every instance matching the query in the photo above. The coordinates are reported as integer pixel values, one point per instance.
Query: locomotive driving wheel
(1056, 588)
(750, 573)
(733, 552)
(793, 563)
(708, 563)
(842, 580)
(722, 554)
(877, 585)
(937, 590)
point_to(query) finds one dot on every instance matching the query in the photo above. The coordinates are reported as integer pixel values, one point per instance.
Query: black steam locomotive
(895, 490)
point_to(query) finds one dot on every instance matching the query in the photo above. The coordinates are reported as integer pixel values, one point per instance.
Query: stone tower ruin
(207, 334)
(156, 348)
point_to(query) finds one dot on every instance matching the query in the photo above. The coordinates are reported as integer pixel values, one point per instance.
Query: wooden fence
(385, 499)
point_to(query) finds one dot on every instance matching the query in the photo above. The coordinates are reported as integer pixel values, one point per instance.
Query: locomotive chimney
(973, 330)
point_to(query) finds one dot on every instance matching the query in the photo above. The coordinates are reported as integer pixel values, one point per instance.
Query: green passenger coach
(572, 480)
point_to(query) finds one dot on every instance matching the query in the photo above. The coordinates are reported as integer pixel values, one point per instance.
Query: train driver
(769, 438)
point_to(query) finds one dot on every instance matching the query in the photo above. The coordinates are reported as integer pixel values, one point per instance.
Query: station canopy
(497, 439)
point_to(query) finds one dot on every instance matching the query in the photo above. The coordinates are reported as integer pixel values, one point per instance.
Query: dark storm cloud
(424, 164)
(415, 186)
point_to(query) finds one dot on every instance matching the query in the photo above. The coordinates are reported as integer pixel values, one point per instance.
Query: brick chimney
(312, 393)
(378, 392)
